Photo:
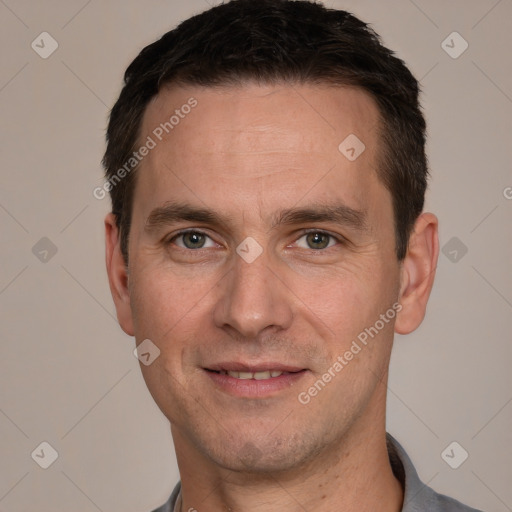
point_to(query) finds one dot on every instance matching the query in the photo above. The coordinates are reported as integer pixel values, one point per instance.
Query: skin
(247, 153)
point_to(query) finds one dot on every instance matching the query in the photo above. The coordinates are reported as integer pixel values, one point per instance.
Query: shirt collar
(418, 497)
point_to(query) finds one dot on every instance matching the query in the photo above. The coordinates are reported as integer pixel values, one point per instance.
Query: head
(289, 143)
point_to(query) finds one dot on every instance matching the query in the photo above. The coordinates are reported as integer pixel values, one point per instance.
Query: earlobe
(417, 273)
(117, 275)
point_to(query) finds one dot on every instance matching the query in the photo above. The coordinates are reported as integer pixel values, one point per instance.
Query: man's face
(266, 163)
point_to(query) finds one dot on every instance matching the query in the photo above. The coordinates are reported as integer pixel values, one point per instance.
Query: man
(266, 163)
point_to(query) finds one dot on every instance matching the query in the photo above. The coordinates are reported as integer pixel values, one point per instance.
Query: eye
(317, 240)
(192, 240)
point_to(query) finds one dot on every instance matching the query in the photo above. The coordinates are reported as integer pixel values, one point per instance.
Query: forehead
(272, 144)
(255, 114)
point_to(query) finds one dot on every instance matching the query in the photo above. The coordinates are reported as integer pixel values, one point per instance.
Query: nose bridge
(252, 298)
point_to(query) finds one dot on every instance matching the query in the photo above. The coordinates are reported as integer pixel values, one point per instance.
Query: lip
(252, 388)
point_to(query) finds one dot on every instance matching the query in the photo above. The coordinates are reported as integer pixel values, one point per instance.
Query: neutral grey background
(67, 372)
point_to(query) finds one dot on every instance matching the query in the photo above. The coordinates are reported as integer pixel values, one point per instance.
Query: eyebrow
(337, 213)
(342, 214)
(171, 213)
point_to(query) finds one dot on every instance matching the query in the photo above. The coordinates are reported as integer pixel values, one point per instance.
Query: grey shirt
(417, 496)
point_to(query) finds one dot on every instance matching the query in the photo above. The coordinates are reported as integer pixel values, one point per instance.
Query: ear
(417, 273)
(118, 275)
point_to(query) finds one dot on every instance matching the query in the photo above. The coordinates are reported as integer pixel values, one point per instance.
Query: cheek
(162, 302)
(346, 301)
(354, 283)
(168, 311)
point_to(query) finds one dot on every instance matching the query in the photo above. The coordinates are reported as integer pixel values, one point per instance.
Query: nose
(252, 298)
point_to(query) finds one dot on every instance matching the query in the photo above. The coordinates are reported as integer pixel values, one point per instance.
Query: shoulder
(419, 497)
(168, 506)
(441, 503)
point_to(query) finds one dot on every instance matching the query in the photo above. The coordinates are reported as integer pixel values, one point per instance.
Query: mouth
(254, 381)
(266, 374)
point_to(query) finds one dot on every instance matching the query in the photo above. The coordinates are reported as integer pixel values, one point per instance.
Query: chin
(264, 455)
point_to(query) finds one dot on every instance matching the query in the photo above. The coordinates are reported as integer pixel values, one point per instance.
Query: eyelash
(338, 238)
